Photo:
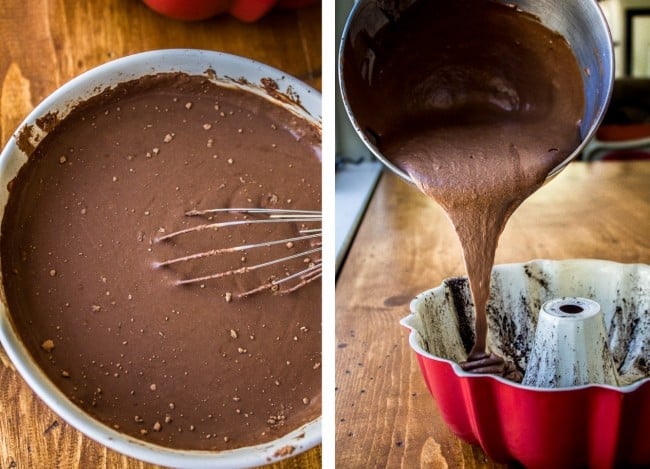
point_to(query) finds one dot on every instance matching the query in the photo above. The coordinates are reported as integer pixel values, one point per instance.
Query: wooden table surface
(385, 416)
(45, 43)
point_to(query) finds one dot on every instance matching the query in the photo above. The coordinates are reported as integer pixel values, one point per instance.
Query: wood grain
(385, 416)
(45, 43)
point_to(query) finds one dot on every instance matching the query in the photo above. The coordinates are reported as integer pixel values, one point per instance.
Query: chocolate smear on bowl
(178, 366)
(477, 102)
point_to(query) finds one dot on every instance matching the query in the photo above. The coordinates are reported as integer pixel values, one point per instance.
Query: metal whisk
(311, 272)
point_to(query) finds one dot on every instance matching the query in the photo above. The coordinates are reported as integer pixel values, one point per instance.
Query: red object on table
(244, 10)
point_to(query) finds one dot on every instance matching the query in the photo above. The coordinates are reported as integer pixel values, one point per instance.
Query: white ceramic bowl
(225, 69)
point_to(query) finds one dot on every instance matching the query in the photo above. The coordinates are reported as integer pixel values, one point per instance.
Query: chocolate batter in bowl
(176, 375)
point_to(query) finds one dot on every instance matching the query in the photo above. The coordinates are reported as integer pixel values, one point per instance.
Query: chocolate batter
(182, 366)
(477, 102)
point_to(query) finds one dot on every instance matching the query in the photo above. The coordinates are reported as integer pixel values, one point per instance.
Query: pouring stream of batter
(477, 102)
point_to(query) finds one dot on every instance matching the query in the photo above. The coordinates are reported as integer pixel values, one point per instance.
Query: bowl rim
(410, 322)
(301, 99)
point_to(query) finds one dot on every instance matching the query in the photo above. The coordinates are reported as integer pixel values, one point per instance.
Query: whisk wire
(213, 226)
(310, 273)
(307, 276)
(247, 268)
(271, 211)
(245, 247)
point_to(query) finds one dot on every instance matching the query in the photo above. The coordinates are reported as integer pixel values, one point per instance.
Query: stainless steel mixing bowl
(580, 22)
